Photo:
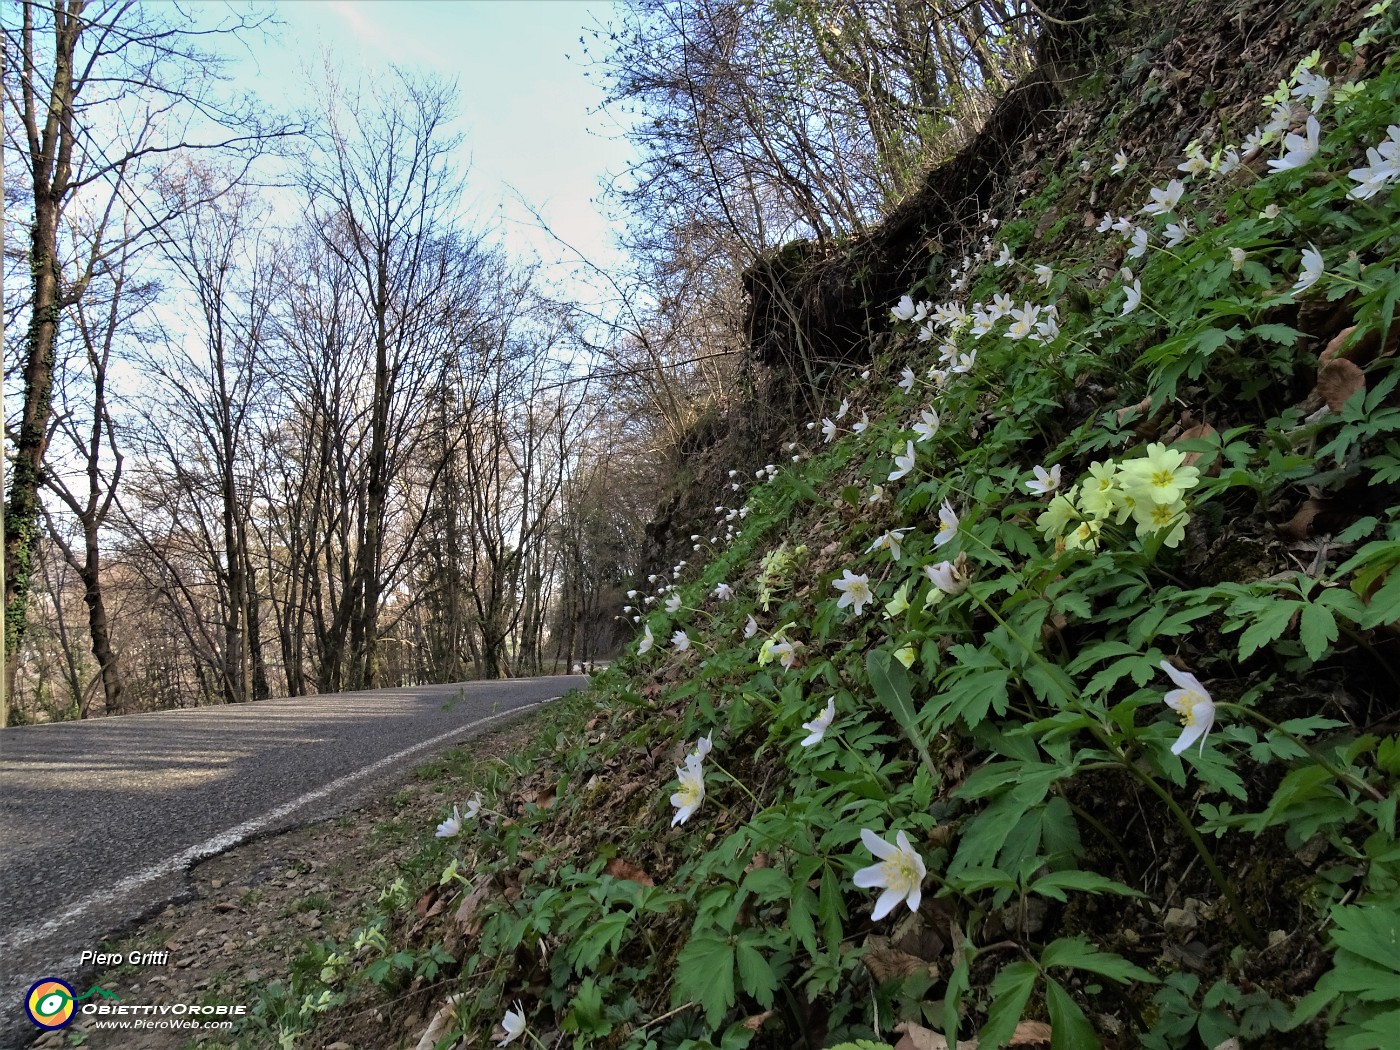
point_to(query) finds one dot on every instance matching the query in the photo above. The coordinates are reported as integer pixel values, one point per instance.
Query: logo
(49, 1004)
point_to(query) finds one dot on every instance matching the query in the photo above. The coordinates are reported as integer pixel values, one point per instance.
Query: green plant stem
(740, 783)
(1100, 734)
(1312, 752)
(1237, 909)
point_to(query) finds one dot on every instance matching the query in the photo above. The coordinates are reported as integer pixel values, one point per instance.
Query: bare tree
(92, 89)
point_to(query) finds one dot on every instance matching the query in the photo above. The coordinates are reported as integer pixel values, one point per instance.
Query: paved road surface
(100, 821)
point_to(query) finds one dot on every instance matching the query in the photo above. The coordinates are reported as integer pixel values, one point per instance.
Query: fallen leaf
(754, 1023)
(886, 963)
(438, 1026)
(917, 1037)
(620, 869)
(1030, 1033)
(466, 911)
(1203, 430)
(1337, 380)
(425, 902)
(1299, 527)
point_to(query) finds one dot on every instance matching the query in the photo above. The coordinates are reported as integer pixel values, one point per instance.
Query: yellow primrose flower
(1060, 512)
(1160, 477)
(1151, 517)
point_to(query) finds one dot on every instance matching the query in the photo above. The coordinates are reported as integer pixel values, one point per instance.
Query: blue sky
(527, 111)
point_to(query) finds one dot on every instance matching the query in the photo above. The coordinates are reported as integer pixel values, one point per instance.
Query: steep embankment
(894, 751)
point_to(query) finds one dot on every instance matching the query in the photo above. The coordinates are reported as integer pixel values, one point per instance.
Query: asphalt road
(100, 821)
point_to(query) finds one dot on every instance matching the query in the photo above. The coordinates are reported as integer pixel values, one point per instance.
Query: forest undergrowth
(1044, 694)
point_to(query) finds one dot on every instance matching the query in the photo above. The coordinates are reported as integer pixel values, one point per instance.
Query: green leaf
(1370, 931)
(1270, 621)
(756, 976)
(1069, 1028)
(1054, 885)
(1010, 992)
(705, 974)
(890, 681)
(1079, 954)
(1318, 629)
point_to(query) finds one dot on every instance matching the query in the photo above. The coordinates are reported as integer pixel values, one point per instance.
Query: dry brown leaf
(754, 1023)
(886, 963)
(620, 869)
(425, 902)
(438, 1026)
(1337, 380)
(1299, 527)
(1204, 430)
(466, 911)
(1030, 1033)
(917, 1037)
(1337, 346)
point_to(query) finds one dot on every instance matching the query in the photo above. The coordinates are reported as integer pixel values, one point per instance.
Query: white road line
(228, 839)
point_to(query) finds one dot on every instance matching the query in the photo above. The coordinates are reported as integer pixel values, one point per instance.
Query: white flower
(451, 826)
(1195, 161)
(1023, 321)
(1312, 270)
(860, 427)
(724, 592)
(687, 800)
(855, 591)
(889, 541)
(514, 1025)
(1106, 223)
(949, 577)
(947, 524)
(647, 640)
(1134, 297)
(1237, 258)
(1002, 305)
(1046, 481)
(845, 407)
(1120, 163)
(908, 379)
(964, 363)
(703, 746)
(680, 641)
(900, 873)
(828, 429)
(1046, 330)
(1299, 150)
(1124, 225)
(1229, 161)
(1139, 248)
(877, 493)
(818, 726)
(1043, 275)
(750, 627)
(903, 464)
(1271, 212)
(1384, 167)
(1165, 199)
(1191, 701)
(927, 425)
(673, 604)
(1176, 233)
(1004, 259)
(905, 310)
(1312, 88)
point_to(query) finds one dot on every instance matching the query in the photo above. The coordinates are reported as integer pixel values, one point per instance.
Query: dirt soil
(254, 906)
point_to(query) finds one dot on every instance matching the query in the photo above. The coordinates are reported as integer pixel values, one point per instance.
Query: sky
(529, 113)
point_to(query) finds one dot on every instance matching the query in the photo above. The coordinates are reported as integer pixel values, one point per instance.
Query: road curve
(101, 820)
